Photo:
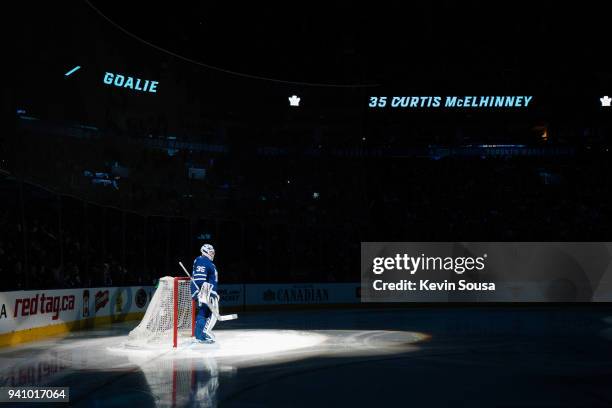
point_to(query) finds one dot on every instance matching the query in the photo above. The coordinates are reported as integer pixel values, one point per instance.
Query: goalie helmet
(208, 251)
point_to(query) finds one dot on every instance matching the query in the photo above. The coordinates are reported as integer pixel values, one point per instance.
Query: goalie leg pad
(210, 323)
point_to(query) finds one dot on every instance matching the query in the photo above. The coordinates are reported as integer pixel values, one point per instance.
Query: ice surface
(439, 357)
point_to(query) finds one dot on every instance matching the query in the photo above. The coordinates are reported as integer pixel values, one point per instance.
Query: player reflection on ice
(182, 382)
(191, 375)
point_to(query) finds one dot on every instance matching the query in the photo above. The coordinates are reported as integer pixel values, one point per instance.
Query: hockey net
(170, 316)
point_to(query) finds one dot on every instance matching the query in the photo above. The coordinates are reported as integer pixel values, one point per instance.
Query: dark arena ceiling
(348, 43)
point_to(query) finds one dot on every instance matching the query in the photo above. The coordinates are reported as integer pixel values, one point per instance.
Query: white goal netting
(169, 316)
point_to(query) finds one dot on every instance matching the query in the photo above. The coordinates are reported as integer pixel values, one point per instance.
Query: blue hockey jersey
(203, 271)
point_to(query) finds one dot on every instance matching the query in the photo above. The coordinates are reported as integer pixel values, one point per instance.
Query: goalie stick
(215, 310)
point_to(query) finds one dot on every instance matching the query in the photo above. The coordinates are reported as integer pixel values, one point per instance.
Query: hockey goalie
(183, 307)
(204, 289)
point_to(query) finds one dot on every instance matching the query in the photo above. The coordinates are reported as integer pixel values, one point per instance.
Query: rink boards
(29, 315)
(35, 314)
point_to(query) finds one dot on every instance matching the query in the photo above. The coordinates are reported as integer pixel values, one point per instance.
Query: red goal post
(180, 283)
